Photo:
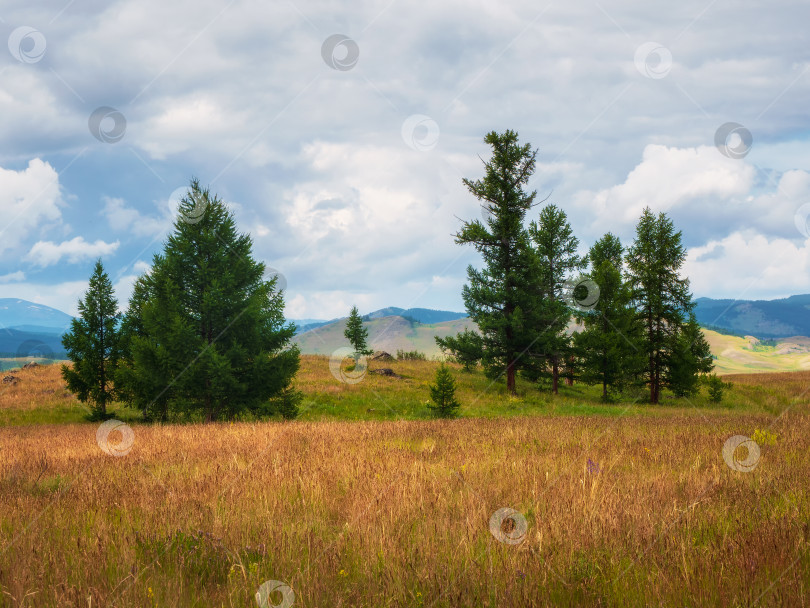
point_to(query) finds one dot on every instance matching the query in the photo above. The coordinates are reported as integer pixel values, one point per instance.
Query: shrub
(716, 388)
(412, 355)
(443, 394)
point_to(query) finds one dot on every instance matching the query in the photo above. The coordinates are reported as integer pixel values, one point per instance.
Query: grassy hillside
(748, 355)
(387, 333)
(735, 355)
(622, 507)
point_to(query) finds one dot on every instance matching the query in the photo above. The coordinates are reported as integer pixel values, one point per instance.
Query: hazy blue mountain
(420, 315)
(760, 318)
(18, 313)
(21, 344)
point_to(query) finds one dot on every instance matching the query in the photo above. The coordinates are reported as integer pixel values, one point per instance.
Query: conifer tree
(92, 344)
(498, 295)
(357, 335)
(555, 248)
(466, 348)
(660, 294)
(689, 358)
(609, 347)
(443, 394)
(205, 334)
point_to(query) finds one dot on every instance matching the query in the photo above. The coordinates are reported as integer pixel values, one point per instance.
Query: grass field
(623, 505)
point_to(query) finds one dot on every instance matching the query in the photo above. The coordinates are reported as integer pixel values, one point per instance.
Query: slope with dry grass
(626, 506)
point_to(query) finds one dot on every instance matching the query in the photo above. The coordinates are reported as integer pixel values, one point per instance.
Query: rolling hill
(761, 318)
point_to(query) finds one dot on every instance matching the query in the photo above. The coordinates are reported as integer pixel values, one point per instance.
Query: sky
(339, 134)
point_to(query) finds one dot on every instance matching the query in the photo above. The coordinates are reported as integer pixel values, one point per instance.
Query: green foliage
(412, 355)
(205, 335)
(93, 345)
(556, 259)
(689, 357)
(443, 394)
(465, 348)
(498, 295)
(716, 388)
(662, 299)
(356, 334)
(609, 347)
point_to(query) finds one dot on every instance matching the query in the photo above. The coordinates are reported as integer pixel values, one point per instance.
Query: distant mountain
(31, 330)
(388, 333)
(16, 313)
(760, 318)
(420, 315)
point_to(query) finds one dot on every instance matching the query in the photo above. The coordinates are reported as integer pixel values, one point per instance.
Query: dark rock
(30, 365)
(10, 380)
(386, 371)
(381, 355)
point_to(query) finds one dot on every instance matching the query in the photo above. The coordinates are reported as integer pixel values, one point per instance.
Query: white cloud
(48, 253)
(126, 219)
(749, 265)
(29, 199)
(665, 178)
(13, 277)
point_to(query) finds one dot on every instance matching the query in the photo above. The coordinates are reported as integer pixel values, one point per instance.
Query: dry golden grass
(396, 514)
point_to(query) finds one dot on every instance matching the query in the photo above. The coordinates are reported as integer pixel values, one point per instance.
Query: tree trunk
(510, 378)
(555, 375)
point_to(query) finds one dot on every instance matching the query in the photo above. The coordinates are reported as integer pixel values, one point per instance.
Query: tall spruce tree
(609, 347)
(356, 334)
(555, 248)
(92, 344)
(660, 295)
(690, 357)
(498, 295)
(205, 334)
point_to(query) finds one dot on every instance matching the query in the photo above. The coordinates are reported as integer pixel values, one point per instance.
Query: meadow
(364, 501)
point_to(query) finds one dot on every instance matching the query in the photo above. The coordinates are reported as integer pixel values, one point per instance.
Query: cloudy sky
(340, 132)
